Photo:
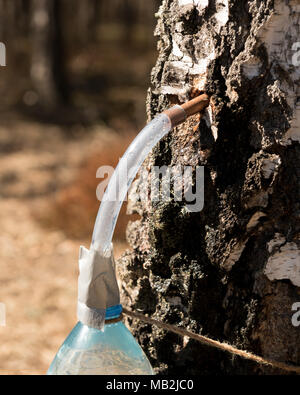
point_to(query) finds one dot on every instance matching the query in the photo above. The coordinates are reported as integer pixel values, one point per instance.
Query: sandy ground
(39, 266)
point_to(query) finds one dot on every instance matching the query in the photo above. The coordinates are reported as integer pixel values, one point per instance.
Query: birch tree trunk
(231, 271)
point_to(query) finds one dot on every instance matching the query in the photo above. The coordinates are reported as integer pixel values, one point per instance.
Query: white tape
(97, 287)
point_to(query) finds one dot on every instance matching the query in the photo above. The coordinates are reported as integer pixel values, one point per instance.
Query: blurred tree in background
(67, 61)
(73, 68)
(47, 62)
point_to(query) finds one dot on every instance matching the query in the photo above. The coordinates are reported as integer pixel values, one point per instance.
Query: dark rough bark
(230, 272)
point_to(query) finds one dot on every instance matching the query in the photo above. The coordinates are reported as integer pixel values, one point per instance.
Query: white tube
(122, 178)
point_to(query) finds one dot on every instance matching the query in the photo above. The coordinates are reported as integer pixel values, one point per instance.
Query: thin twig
(213, 343)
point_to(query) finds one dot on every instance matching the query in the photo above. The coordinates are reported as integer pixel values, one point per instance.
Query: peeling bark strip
(284, 263)
(230, 272)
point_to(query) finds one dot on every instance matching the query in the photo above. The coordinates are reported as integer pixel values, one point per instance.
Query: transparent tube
(122, 178)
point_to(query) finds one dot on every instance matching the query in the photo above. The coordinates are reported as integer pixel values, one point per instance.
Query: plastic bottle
(90, 351)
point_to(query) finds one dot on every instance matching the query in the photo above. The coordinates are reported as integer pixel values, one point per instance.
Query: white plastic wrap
(97, 287)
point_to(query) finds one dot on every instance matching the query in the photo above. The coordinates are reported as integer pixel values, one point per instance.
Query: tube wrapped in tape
(97, 287)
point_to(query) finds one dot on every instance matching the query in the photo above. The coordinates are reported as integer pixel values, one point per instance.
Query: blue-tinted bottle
(91, 351)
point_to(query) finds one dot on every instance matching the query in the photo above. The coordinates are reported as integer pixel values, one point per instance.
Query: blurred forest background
(72, 97)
